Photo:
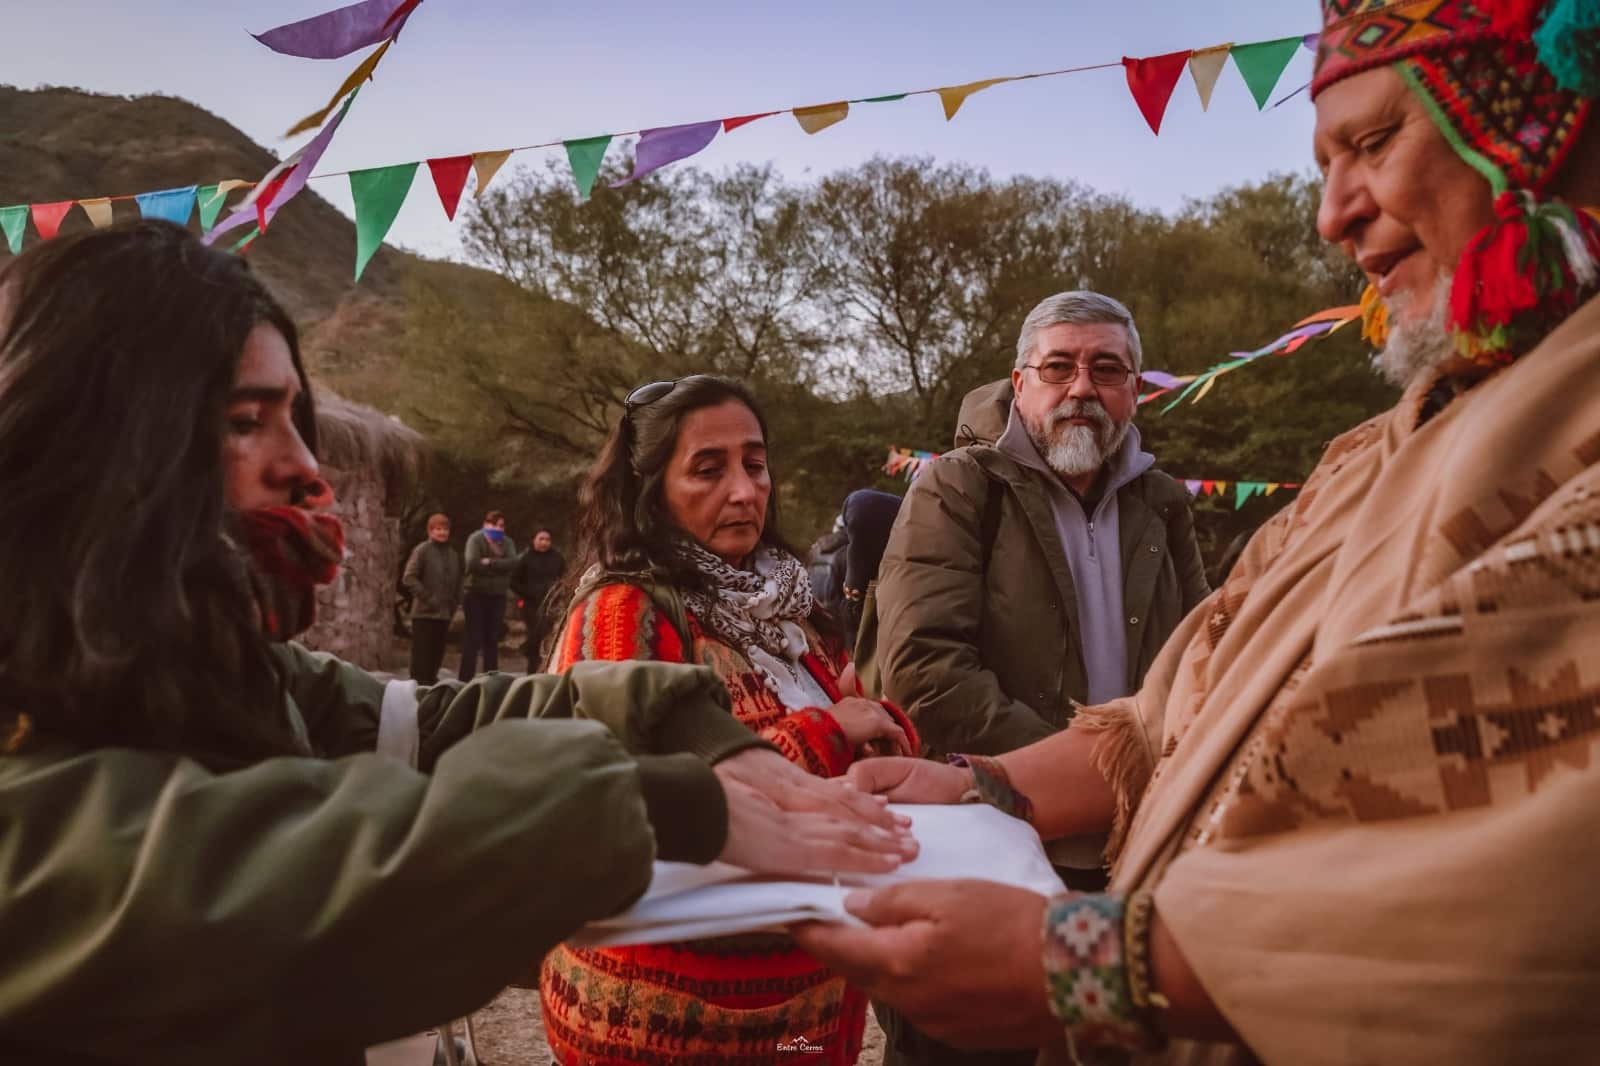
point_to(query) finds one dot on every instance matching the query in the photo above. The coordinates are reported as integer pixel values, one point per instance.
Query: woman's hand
(864, 720)
(786, 821)
(911, 780)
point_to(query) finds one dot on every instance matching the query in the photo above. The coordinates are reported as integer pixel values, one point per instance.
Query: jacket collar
(1127, 463)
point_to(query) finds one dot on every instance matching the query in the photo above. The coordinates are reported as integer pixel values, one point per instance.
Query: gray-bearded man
(1047, 569)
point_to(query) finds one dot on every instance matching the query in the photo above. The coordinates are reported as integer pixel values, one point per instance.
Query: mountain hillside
(58, 144)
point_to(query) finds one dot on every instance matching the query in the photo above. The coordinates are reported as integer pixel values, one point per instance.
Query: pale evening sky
(470, 75)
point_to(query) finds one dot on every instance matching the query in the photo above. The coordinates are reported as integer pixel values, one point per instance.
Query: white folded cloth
(687, 902)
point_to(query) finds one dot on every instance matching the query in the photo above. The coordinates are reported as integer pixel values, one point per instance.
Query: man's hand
(910, 780)
(963, 960)
(784, 820)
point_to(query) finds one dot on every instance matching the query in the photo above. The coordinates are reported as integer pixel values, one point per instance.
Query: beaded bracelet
(992, 785)
(1087, 973)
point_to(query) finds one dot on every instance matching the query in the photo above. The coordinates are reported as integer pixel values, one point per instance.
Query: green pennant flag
(880, 99)
(586, 155)
(378, 194)
(14, 220)
(1263, 63)
(211, 204)
(1242, 491)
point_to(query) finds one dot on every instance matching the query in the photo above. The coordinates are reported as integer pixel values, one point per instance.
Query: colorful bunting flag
(1152, 80)
(378, 194)
(585, 157)
(357, 76)
(668, 144)
(1205, 65)
(14, 221)
(891, 98)
(1263, 63)
(47, 217)
(99, 211)
(174, 205)
(338, 33)
(953, 96)
(284, 181)
(211, 199)
(486, 165)
(450, 177)
(731, 124)
(818, 118)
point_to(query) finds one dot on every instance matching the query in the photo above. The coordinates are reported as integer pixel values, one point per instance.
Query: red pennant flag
(47, 217)
(1152, 80)
(450, 177)
(1206, 487)
(269, 194)
(731, 124)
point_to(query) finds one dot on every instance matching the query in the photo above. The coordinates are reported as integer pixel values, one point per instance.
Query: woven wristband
(992, 785)
(1086, 973)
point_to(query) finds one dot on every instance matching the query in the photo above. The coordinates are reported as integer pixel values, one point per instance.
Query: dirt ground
(511, 1033)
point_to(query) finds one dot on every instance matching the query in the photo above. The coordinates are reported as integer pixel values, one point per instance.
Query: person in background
(682, 561)
(538, 570)
(825, 568)
(433, 578)
(490, 561)
(218, 847)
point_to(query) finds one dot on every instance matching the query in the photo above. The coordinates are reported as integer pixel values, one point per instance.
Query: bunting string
(908, 463)
(379, 192)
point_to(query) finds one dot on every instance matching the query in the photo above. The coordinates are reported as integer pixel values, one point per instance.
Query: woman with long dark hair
(201, 860)
(682, 561)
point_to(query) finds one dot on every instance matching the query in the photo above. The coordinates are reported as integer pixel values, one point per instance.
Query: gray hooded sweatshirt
(1093, 550)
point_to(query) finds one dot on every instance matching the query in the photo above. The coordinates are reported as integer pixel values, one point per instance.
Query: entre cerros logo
(800, 1045)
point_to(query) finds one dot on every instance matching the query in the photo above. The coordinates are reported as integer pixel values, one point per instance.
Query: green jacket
(489, 565)
(980, 644)
(433, 577)
(302, 909)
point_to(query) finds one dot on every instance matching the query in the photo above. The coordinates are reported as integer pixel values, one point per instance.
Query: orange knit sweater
(733, 1000)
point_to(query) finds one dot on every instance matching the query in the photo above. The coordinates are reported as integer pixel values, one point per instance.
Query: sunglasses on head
(645, 395)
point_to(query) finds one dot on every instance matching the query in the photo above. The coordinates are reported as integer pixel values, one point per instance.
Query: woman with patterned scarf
(216, 846)
(681, 561)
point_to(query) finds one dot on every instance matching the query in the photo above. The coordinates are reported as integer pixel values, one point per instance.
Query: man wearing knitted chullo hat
(1353, 807)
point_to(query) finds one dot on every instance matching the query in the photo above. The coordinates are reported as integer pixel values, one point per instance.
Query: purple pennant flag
(299, 167)
(337, 33)
(1159, 378)
(1311, 41)
(668, 144)
(1193, 487)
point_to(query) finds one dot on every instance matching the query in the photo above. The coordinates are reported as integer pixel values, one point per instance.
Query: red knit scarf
(292, 550)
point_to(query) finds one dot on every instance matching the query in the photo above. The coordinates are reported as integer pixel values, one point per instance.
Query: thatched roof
(352, 436)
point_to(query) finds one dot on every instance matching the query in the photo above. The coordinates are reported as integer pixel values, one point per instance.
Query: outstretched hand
(910, 780)
(784, 820)
(963, 960)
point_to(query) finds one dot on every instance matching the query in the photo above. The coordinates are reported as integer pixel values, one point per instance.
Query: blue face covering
(496, 535)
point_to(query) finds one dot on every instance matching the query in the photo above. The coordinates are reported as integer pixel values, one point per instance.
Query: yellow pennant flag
(1272, 486)
(956, 95)
(816, 119)
(486, 165)
(1205, 65)
(357, 76)
(98, 210)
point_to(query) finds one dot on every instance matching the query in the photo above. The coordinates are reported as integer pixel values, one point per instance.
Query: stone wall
(355, 614)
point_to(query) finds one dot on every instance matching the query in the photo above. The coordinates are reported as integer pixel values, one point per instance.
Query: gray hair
(1080, 307)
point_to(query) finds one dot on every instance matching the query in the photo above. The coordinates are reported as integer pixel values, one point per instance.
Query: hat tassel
(1525, 272)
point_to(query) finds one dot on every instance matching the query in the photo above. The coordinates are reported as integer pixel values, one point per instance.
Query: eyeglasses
(1105, 374)
(645, 395)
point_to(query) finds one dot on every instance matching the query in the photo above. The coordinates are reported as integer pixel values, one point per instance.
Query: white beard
(1416, 347)
(1072, 451)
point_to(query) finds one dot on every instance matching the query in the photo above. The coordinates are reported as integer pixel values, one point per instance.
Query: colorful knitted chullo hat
(1511, 84)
